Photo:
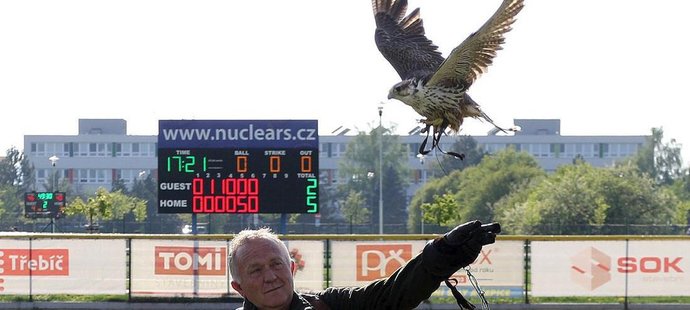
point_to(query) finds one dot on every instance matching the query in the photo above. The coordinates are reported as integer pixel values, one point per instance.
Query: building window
(41, 176)
(39, 149)
(620, 150)
(492, 148)
(586, 150)
(325, 149)
(339, 149)
(123, 150)
(93, 176)
(99, 149)
(82, 149)
(538, 150)
(142, 149)
(557, 149)
(129, 176)
(45, 176)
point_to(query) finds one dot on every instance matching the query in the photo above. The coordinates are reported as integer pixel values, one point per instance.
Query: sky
(603, 67)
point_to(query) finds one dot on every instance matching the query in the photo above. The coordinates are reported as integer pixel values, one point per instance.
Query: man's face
(265, 274)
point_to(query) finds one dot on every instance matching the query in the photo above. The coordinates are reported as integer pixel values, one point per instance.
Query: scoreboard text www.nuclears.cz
(254, 177)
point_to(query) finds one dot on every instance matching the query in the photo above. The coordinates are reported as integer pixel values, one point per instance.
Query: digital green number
(312, 190)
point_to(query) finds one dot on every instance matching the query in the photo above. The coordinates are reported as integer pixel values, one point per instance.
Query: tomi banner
(62, 266)
(605, 268)
(179, 268)
(167, 268)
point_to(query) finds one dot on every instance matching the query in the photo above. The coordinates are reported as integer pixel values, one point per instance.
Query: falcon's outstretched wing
(471, 58)
(401, 39)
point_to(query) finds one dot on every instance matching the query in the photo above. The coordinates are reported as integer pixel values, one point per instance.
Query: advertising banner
(499, 270)
(656, 268)
(499, 267)
(167, 268)
(308, 256)
(608, 268)
(357, 263)
(62, 266)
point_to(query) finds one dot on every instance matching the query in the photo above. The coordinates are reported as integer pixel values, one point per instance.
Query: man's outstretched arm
(421, 276)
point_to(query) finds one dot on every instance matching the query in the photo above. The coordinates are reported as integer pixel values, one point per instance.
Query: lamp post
(380, 170)
(53, 162)
(421, 158)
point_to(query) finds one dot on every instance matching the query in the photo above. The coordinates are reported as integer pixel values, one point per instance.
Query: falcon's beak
(390, 94)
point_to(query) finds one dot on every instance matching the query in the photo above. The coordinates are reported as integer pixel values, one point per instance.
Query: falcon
(436, 88)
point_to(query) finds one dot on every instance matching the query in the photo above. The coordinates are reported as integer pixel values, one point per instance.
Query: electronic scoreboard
(44, 204)
(238, 166)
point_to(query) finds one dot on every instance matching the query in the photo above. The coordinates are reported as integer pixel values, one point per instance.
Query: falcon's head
(402, 90)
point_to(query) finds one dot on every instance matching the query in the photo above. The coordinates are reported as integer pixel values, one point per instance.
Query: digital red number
(238, 196)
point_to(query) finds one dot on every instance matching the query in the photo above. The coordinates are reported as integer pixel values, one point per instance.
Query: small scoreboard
(222, 166)
(44, 204)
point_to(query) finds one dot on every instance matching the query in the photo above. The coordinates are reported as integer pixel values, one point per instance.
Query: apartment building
(102, 152)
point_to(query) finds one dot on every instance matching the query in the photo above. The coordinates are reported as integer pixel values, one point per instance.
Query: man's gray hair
(243, 237)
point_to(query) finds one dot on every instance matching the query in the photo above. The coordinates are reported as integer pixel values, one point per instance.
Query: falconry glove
(467, 240)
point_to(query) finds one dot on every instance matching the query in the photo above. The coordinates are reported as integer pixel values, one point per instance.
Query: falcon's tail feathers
(469, 101)
(488, 119)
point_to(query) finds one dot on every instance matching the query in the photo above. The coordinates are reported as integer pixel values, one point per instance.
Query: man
(262, 272)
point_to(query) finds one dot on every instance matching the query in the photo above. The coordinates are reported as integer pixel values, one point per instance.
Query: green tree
(54, 183)
(682, 187)
(477, 189)
(581, 199)
(427, 193)
(125, 206)
(360, 167)
(481, 186)
(661, 161)
(353, 209)
(441, 211)
(119, 185)
(147, 190)
(511, 210)
(328, 206)
(11, 207)
(16, 178)
(104, 206)
(10, 171)
(93, 209)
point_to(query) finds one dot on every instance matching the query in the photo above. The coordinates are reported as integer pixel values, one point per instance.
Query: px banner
(499, 267)
(499, 270)
(62, 266)
(608, 268)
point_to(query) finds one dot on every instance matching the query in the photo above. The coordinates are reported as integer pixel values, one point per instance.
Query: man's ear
(237, 287)
(293, 267)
